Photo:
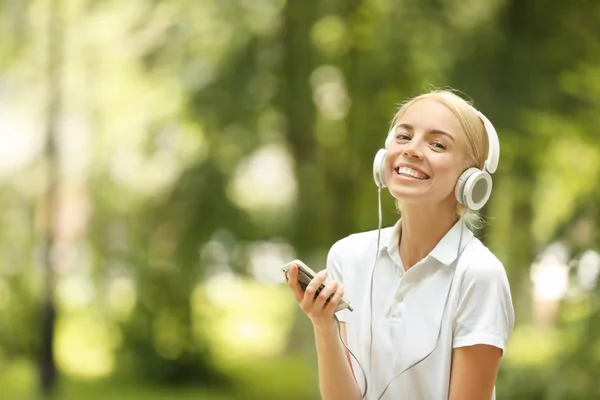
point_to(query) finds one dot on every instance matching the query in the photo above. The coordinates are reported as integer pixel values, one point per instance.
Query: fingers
(311, 289)
(293, 283)
(314, 302)
(321, 299)
(335, 299)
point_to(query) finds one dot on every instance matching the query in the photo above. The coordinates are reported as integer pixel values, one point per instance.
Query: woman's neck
(422, 228)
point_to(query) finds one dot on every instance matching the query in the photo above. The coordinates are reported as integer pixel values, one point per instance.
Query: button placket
(404, 286)
(397, 302)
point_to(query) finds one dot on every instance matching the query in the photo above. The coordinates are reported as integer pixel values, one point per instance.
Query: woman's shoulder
(349, 256)
(360, 241)
(484, 313)
(480, 264)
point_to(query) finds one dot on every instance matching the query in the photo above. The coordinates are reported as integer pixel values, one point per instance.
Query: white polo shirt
(419, 315)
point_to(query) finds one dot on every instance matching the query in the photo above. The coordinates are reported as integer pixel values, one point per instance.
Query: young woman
(432, 305)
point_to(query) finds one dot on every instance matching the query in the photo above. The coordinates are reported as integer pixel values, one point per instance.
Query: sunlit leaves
(264, 181)
(567, 160)
(331, 36)
(569, 174)
(244, 319)
(85, 345)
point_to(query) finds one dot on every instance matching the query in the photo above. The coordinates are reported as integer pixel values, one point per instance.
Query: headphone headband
(491, 164)
(390, 137)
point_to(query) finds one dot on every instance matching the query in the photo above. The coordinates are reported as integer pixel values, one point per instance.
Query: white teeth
(411, 173)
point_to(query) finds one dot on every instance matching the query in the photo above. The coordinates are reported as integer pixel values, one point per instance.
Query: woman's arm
(473, 373)
(483, 322)
(336, 380)
(345, 339)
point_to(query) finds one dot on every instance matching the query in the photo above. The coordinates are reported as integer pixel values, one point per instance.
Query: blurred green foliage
(202, 143)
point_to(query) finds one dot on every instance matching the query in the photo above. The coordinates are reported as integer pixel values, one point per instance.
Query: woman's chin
(405, 194)
(406, 190)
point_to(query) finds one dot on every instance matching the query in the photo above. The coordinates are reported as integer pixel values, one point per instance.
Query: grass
(288, 378)
(104, 390)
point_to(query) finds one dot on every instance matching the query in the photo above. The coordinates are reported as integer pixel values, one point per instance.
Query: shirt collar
(445, 251)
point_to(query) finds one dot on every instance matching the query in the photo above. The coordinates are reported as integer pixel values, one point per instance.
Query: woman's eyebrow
(409, 127)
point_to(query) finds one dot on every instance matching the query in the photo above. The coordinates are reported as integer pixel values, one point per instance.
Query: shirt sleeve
(485, 313)
(335, 272)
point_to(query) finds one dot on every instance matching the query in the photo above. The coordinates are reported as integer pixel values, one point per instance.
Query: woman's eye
(402, 136)
(439, 145)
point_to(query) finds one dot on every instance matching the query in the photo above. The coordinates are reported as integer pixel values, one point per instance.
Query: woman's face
(427, 155)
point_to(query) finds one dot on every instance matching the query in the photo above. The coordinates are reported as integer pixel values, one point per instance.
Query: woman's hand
(316, 308)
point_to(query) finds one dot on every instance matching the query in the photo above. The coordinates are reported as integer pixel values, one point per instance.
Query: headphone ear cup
(460, 185)
(473, 188)
(379, 168)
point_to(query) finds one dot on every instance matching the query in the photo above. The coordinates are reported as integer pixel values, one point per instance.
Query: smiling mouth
(411, 173)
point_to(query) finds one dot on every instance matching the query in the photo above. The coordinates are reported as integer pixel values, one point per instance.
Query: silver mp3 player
(305, 275)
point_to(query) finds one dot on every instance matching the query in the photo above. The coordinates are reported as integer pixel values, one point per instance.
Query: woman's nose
(412, 149)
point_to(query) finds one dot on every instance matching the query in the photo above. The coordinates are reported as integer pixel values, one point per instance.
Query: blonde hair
(477, 139)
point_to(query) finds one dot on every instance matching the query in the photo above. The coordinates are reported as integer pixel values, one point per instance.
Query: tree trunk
(47, 361)
(298, 108)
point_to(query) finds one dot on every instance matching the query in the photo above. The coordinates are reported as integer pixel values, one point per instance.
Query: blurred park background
(161, 159)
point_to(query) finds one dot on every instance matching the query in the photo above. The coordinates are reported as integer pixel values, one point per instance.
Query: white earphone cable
(364, 394)
(458, 254)
(371, 280)
(365, 390)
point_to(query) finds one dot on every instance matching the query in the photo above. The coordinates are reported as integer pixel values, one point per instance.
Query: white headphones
(474, 186)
